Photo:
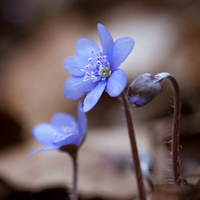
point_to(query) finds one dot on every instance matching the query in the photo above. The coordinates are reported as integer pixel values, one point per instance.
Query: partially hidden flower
(145, 88)
(63, 130)
(96, 70)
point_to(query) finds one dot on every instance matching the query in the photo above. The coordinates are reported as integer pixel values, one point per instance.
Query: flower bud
(144, 88)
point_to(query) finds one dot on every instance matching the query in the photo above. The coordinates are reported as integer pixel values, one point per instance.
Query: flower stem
(175, 131)
(127, 112)
(74, 183)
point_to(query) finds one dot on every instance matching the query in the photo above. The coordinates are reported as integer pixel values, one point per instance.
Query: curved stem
(175, 131)
(141, 189)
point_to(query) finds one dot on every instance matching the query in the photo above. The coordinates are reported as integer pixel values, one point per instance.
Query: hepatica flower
(145, 88)
(62, 130)
(97, 70)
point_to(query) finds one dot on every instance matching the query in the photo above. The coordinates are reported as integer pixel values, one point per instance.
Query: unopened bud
(144, 88)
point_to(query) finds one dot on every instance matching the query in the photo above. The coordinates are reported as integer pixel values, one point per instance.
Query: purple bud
(144, 88)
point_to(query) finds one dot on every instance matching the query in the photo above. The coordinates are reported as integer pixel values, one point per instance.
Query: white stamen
(66, 130)
(55, 134)
(85, 79)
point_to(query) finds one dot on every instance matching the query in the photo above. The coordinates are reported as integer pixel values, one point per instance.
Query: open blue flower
(63, 130)
(95, 70)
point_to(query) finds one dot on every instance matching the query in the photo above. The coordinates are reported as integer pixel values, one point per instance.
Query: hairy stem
(175, 131)
(141, 189)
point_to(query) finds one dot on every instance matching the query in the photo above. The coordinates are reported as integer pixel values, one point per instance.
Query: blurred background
(35, 38)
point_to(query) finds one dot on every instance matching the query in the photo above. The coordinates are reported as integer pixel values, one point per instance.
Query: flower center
(98, 67)
(65, 130)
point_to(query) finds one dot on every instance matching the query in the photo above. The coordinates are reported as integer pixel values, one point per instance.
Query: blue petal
(106, 39)
(44, 133)
(139, 101)
(116, 83)
(62, 119)
(45, 148)
(67, 139)
(84, 46)
(93, 97)
(74, 64)
(82, 122)
(75, 87)
(122, 48)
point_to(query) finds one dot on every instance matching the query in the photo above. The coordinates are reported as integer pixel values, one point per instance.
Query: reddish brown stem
(127, 112)
(75, 175)
(72, 150)
(175, 131)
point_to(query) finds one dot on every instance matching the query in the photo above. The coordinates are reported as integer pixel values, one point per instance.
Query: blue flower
(95, 70)
(63, 130)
